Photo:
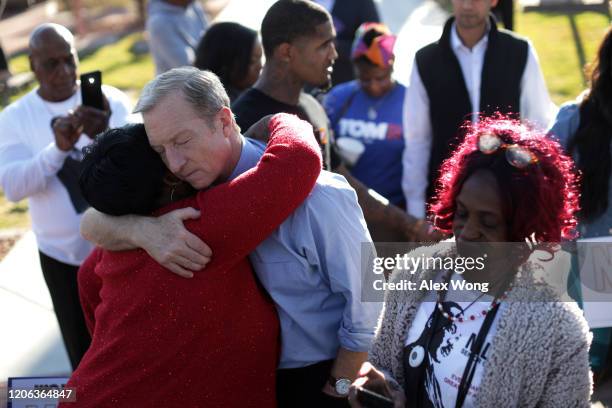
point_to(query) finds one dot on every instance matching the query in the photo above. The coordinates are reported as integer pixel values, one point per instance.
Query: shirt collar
(252, 151)
(456, 43)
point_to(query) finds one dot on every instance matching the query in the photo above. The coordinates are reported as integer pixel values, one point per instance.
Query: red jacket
(211, 341)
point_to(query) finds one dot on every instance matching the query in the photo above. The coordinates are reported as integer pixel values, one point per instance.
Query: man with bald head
(41, 135)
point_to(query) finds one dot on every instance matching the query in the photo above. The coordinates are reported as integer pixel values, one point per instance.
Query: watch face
(342, 386)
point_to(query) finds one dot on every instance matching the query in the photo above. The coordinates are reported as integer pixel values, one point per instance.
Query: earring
(173, 184)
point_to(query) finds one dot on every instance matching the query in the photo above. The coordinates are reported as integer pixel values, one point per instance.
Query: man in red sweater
(158, 339)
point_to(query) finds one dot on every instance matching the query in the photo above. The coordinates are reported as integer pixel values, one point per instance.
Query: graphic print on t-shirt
(447, 350)
(369, 131)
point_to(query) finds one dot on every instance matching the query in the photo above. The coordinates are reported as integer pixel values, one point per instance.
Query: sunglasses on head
(517, 156)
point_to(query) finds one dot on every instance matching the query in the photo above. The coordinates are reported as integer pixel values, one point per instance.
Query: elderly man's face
(195, 150)
(55, 64)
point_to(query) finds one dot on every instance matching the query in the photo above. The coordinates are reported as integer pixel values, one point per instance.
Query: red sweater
(211, 341)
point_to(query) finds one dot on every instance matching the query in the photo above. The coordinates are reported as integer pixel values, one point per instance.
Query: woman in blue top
(369, 111)
(584, 128)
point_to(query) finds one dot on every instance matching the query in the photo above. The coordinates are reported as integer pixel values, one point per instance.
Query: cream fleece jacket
(539, 355)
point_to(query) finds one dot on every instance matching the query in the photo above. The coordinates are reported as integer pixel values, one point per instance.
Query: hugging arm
(238, 214)
(164, 238)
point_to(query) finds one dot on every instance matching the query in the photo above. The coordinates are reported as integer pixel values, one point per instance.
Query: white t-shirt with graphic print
(449, 358)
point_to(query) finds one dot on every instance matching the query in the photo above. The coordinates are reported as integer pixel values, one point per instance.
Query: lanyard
(470, 367)
(415, 377)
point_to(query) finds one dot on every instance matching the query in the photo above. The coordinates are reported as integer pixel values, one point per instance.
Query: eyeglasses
(517, 156)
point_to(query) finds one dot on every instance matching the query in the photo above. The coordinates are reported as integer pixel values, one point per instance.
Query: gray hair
(202, 90)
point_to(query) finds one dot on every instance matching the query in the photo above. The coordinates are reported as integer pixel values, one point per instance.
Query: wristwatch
(341, 385)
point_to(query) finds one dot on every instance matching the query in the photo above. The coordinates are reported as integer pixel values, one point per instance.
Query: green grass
(13, 215)
(551, 34)
(120, 67)
(19, 64)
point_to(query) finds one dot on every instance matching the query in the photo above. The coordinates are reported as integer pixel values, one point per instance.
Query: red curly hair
(540, 201)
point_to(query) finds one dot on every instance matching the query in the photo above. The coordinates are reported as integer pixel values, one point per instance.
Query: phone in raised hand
(91, 90)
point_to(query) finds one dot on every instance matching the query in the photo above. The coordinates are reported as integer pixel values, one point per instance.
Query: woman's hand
(373, 380)
(260, 130)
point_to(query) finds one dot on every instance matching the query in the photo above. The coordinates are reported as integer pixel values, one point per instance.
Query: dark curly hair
(121, 174)
(592, 140)
(540, 201)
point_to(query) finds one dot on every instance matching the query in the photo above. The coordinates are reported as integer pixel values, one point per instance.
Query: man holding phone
(41, 135)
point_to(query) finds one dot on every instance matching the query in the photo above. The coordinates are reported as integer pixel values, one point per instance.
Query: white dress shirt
(535, 105)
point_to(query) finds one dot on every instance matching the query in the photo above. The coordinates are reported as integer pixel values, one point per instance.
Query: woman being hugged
(506, 192)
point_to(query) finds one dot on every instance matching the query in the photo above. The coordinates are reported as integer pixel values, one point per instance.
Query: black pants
(301, 387)
(61, 280)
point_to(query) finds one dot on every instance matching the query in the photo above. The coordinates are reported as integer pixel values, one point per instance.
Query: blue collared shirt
(311, 266)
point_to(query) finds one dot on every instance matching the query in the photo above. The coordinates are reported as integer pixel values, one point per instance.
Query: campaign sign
(595, 260)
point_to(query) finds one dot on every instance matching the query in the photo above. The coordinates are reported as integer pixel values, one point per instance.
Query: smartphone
(370, 399)
(91, 90)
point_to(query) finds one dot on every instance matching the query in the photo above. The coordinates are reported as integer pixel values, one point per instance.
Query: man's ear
(226, 117)
(283, 52)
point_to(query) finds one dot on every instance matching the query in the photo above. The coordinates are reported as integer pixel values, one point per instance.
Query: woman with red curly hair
(505, 339)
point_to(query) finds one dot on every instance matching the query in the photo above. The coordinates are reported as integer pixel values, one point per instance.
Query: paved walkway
(31, 343)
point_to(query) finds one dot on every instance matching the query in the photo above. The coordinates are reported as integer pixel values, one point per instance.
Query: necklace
(372, 113)
(373, 109)
(460, 318)
(172, 182)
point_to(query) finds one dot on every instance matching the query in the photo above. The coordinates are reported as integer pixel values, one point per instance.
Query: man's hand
(94, 121)
(373, 380)
(346, 365)
(167, 241)
(260, 130)
(67, 130)
(423, 231)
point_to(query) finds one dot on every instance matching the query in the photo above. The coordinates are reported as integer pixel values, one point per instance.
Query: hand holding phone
(94, 113)
(371, 399)
(91, 90)
(66, 130)
(372, 389)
